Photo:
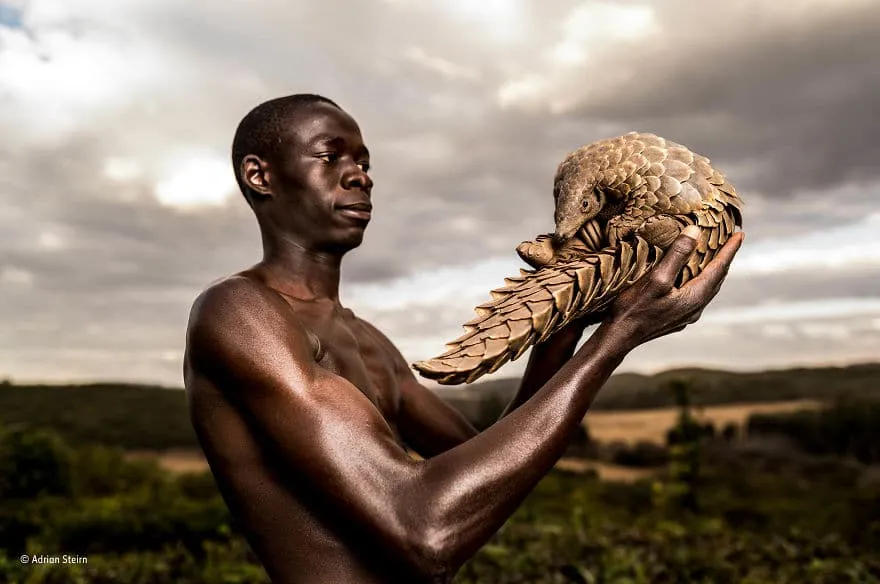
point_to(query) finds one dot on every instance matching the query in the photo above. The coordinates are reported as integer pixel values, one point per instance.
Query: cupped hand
(652, 307)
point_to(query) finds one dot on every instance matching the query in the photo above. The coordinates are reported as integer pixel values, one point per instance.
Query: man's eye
(365, 166)
(329, 157)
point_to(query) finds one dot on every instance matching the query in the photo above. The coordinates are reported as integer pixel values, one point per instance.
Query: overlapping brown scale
(592, 235)
(541, 314)
(728, 220)
(703, 241)
(717, 178)
(660, 179)
(655, 169)
(677, 169)
(640, 262)
(494, 348)
(680, 154)
(670, 187)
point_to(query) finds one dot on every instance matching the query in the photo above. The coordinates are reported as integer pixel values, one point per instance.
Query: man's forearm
(544, 361)
(472, 489)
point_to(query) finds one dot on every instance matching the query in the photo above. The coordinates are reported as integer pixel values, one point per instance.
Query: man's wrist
(613, 338)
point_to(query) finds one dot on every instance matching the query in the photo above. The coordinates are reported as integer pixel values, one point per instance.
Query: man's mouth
(360, 210)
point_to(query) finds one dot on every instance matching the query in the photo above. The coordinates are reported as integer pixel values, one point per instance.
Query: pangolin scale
(619, 204)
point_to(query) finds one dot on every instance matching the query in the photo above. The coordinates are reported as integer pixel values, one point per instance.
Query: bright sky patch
(196, 181)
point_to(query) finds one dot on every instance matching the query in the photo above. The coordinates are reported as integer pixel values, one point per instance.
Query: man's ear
(256, 175)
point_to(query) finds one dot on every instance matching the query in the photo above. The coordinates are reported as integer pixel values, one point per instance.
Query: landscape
(745, 449)
(686, 476)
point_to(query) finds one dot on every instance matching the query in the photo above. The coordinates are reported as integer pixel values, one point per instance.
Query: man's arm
(545, 359)
(427, 423)
(431, 514)
(431, 426)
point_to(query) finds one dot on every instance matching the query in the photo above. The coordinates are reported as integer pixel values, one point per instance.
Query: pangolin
(619, 204)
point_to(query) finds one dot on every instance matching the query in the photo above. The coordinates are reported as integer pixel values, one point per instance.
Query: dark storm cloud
(794, 99)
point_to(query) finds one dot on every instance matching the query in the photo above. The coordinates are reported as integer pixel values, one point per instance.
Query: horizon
(435, 386)
(119, 204)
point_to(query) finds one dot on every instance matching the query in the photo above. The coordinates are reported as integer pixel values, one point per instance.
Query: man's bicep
(428, 424)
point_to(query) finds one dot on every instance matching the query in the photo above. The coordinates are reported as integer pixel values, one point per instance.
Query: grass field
(633, 426)
(801, 509)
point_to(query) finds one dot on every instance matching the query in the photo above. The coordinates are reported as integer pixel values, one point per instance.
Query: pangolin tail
(536, 304)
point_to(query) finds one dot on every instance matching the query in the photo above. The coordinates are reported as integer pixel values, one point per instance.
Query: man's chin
(350, 240)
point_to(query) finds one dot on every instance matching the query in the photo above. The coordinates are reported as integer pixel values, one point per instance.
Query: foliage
(582, 445)
(642, 454)
(125, 416)
(851, 427)
(764, 515)
(33, 464)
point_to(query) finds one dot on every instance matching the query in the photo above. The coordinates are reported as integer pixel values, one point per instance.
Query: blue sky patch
(10, 16)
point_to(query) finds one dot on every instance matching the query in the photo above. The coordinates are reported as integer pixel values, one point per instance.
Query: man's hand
(653, 307)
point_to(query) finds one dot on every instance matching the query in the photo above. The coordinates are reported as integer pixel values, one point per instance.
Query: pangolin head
(578, 199)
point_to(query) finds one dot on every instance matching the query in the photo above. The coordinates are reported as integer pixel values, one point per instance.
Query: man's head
(301, 164)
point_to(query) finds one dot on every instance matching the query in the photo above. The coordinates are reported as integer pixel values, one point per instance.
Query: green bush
(33, 463)
(850, 427)
(100, 471)
(642, 454)
(764, 517)
(146, 520)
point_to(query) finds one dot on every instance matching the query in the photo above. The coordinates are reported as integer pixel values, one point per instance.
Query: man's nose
(356, 178)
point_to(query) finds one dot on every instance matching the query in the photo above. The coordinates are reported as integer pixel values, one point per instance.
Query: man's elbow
(434, 554)
(424, 552)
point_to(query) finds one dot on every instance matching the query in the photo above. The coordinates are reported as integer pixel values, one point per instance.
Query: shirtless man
(305, 411)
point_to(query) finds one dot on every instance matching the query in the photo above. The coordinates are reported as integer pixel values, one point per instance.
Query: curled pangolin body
(635, 193)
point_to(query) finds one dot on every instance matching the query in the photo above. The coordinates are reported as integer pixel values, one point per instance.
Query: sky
(118, 202)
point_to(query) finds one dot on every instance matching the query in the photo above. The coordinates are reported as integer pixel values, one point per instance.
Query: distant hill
(632, 391)
(128, 416)
(149, 417)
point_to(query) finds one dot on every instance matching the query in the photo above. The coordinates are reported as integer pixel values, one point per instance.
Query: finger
(715, 271)
(676, 257)
(728, 251)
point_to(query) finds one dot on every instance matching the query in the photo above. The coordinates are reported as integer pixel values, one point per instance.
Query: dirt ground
(177, 460)
(651, 425)
(627, 426)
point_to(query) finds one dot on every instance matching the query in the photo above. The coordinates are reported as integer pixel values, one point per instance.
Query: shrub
(642, 454)
(850, 427)
(33, 463)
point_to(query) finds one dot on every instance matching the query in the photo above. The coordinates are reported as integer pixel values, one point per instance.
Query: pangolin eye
(585, 204)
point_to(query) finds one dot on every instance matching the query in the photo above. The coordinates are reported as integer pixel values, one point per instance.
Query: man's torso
(288, 525)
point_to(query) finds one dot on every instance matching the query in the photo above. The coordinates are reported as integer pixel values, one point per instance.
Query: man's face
(321, 181)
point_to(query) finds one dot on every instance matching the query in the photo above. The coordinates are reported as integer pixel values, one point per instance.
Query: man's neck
(297, 271)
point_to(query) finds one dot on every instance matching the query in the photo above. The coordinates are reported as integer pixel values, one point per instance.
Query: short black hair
(261, 131)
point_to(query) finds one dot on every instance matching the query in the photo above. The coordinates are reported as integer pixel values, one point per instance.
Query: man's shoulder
(232, 295)
(234, 315)
(236, 306)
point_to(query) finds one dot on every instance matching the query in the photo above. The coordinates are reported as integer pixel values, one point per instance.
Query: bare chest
(349, 349)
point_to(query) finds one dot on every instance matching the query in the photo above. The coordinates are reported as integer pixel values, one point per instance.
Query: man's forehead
(324, 120)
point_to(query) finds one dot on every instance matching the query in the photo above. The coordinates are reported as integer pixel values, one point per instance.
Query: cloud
(11, 15)
(117, 205)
